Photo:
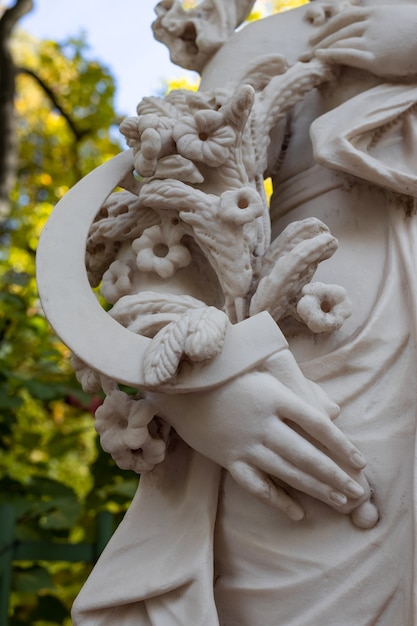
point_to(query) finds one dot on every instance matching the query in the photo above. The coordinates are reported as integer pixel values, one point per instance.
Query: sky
(120, 37)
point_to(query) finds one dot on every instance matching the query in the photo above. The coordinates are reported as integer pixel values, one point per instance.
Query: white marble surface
(290, 480)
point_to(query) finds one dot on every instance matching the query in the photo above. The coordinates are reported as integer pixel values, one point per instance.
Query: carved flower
(159, 250)
(204, 137)
(150, 137)
(122, 423)
(87, 377)
(117, 281)
(323, 307)
(240, 206)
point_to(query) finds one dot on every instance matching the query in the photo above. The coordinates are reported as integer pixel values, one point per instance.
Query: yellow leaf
(45, 179)
(254, 15)
(268, 188)
(286, 5)
(183, 82)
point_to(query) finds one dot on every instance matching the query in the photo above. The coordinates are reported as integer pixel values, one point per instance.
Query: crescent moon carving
(82, 324)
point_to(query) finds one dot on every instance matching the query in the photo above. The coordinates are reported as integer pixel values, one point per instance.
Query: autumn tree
(8, 21)
(51, 469)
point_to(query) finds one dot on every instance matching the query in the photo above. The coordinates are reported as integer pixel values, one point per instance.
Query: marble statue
(272, 344)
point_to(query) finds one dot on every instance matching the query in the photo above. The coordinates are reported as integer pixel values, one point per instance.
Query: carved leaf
(280, 290)
(227, 251)
(199, 101)
(292, 235)
(159, 106)
(224, 244)
(237, 110)
(147, 312)
(124, 217)
(121, 218)
(285, 90)
(175, 195)
(177, 167)
(207, 329)
(197, 335)
(163, 357)
(233, 173)
(180, 100)
(259, 73)
(281, 94)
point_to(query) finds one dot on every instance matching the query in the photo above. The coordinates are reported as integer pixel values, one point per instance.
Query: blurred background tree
(57, 122)
(59, 111)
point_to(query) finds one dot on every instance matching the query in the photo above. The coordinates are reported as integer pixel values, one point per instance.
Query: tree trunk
(8, 143)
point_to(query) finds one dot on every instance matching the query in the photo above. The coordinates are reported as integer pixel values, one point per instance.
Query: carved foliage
(197, 335)
(202, 158)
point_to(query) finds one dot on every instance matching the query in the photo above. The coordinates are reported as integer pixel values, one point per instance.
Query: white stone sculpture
(275, 420)
(193, 36)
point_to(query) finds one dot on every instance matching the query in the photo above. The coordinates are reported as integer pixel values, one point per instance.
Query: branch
(78, 134)
(12, 15)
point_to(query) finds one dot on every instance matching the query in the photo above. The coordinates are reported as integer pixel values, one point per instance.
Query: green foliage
(51, 468)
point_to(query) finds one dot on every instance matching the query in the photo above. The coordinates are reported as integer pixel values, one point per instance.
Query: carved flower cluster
(175, 141)
(150, 137)
(204, 137)
(122, 423)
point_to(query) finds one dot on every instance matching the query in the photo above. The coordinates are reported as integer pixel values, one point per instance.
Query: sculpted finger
(318, 426)
(354, 31)
(365, 515)
(287, 373)
(324, 402)
(261, 486)
(306, 483)
(339, 22)
(299, 455)
(346, 56)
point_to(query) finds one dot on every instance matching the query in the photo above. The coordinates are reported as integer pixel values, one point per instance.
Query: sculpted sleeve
(372, 136)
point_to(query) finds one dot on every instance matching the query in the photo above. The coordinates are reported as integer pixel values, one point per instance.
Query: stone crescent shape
(102, 343)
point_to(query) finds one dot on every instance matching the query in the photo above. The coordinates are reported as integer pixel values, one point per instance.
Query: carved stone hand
(270, 434)
(378, 39)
